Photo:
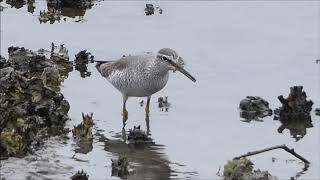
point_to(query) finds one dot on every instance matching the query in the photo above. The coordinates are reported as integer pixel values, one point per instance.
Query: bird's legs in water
(147, 114)
(124, 110)
(148, 105)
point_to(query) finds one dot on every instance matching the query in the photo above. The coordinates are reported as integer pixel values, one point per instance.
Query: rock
(80, 175)
(150, 9)
(163, 103)
(119, 167)
(81, 61)
(294, 114)
(242, 169)
(2, 62)
(84, 129)
(137, 136)
(317, 111)
(254, 108)
(51, 15)
(11, 143)
(31, 104)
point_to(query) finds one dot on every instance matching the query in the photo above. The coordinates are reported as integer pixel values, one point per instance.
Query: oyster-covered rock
(254, 108)
(137, 136)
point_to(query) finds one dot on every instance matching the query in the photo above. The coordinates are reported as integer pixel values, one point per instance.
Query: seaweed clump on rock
(294, 114)
(242, 169)
(31, 104)
(254, 108)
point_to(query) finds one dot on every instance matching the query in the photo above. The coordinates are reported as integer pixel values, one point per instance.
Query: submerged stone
(150, 9)
(254, 108)
(317, 111)
(163, 103)
(84, 129)
(137, 136)
(83, 58)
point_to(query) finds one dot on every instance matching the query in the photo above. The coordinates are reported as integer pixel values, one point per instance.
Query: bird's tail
(99, 63)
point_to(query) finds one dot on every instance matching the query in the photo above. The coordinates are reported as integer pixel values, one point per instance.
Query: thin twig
(284, 147)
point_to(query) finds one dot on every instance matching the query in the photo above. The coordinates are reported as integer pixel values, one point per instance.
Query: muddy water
(234, 49)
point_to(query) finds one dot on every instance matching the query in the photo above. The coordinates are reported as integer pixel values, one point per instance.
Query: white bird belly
(138, 85)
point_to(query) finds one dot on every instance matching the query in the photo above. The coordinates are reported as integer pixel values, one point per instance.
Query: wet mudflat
(234, 49)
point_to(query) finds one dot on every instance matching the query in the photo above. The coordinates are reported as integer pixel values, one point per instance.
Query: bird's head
(173, 61)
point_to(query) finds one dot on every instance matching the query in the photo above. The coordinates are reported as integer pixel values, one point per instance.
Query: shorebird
(142, 75)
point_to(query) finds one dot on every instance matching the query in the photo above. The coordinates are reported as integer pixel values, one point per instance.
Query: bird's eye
(165, 58)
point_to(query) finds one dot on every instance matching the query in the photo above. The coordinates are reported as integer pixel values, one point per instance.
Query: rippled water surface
(234, 49)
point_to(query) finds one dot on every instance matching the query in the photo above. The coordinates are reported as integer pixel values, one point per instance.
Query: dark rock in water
(2, 61)
(81, 61)
(137, 136)
(294, 114)
(150, 9)
(84, 129)
(163, 103)
(83, 135)
(318, 111)
(16, 3)
(119, 167)
(254, 108)
(80, 175)
(31, 104)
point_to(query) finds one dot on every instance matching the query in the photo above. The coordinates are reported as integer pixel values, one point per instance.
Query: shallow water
(234, 49)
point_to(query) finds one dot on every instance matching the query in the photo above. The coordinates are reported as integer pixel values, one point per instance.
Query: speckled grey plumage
(141, 75)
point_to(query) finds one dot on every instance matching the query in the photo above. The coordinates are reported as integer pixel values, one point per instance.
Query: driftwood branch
(284, 147)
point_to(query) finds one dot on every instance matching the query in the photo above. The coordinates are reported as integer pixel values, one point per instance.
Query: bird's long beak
(183, 71)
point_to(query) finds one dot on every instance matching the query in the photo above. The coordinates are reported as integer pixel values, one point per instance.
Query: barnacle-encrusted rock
(296, 104)
(2, 61)
(81, 61)
(137, 136)
(82, 133)
(294, 114)
(31, 104)
(80, 175)
(84, 129)
(318, 111)
(51, 15)
(119, 167)
(163, 103)
(242, 169)
(150, 9)
(254, 108)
